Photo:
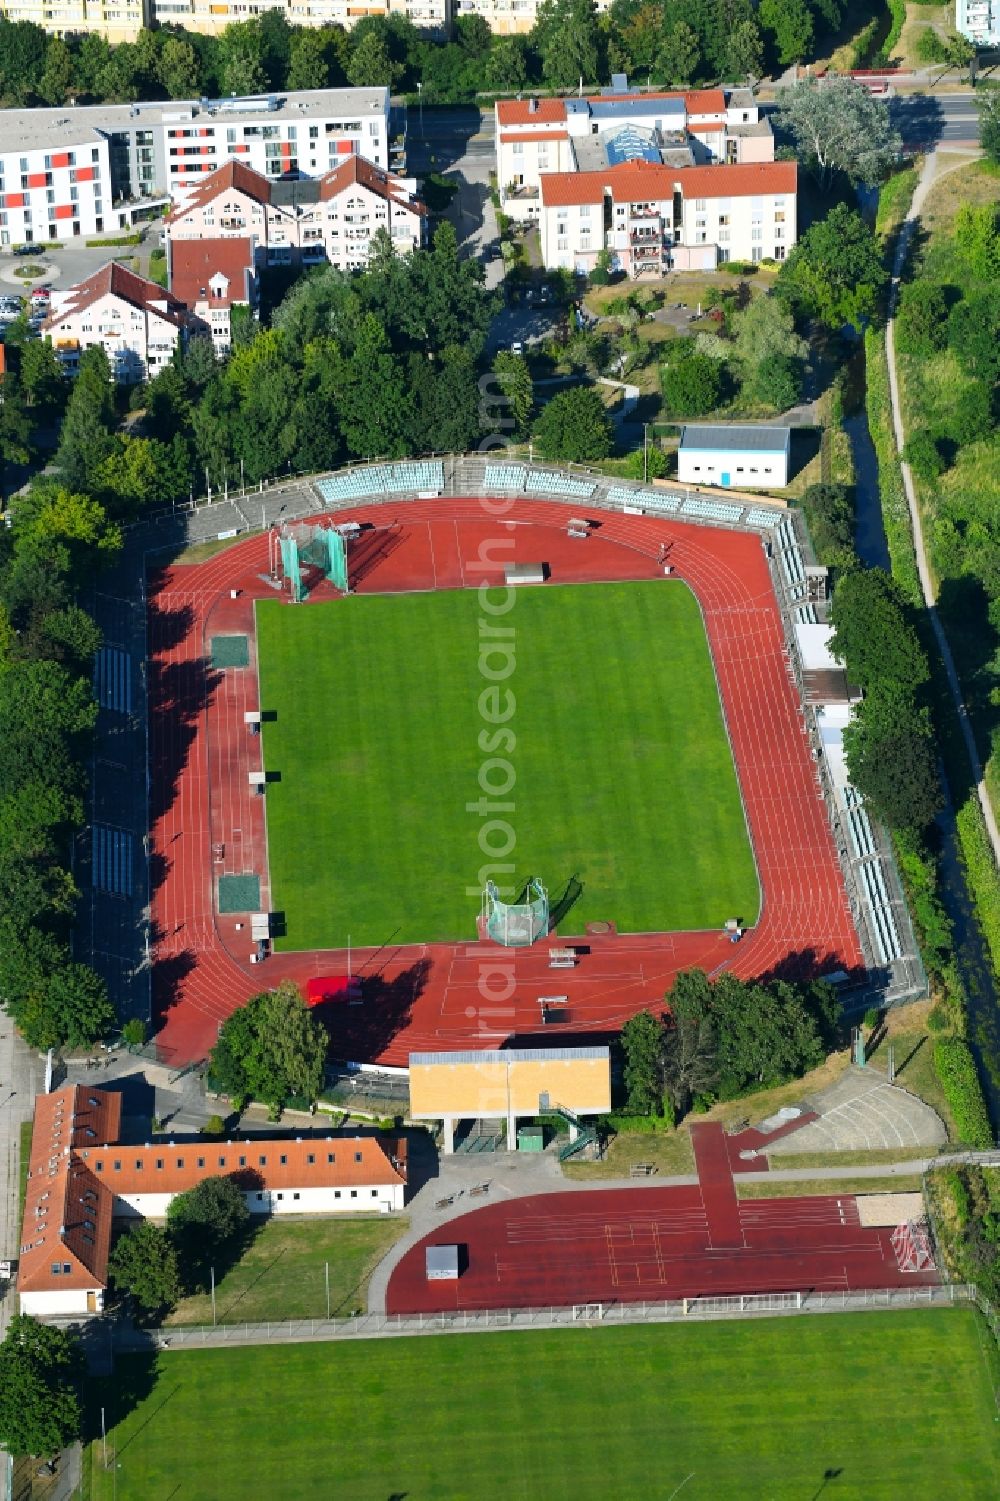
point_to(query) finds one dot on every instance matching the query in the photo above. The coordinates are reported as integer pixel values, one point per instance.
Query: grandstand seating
(383, 479)
(542, 483)
(884, 931)
(758, 517)
(505, 476)
(712, 510)
(646, 500)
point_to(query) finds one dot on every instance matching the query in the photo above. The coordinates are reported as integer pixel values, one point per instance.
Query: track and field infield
(624, 784)
(877, 1406)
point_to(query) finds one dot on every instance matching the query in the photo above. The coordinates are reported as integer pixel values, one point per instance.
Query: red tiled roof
(233, 175)
(705, 102)
(357, 171)
(338, 1162)
(194, 264)
(116, 280)
(534, 135)
(635, 182)
(520, 112)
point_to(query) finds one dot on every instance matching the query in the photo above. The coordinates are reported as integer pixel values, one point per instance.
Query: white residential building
(740, 456)
(654, 218)
(699, 127)
(77, 172)
(331, 218)
(136, 322)
(122, 20)
(81, 1177)
(507, 17)
(979, 20)
(211, 277)
(117, 20)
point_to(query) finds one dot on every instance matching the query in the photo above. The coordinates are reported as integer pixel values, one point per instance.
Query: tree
(889, 748)
(517, 392)
(144, 1264)
(689, 1064)
(506, 69)
(72, 1009)
(241, 48)
(679, 55)
(22, 59)
(307, 64)
(85, 438)
(790, 25)
(988, 104)
(374, 396)
(574, 425)
(873, 634)
(178, 68)
(923, 455)
(642, 1044)
(40, 1368)
(768, 353)
(270, 1049)
(829, 511)
(973, 333)
(42, 378)
(566, 38)
(839, 126)
(208, 1221)
(745, 51)
(56, 82)
(692, 385)
(370, 65)
(921, 318)
(835, 273)
(15, 426)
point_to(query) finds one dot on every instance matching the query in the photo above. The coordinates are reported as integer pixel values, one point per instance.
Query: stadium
(331, 793)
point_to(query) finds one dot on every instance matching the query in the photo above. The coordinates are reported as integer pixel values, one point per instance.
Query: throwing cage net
(912, 1246)
(310, 550)
(517, 925)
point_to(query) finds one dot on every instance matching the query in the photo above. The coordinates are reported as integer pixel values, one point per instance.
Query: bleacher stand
(662, 500)
(422, 476)
(542, 483)
(712, 510)
(758, 517)
(505, 476)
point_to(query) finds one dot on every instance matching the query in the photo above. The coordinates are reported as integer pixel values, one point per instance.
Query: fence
(570, 1316)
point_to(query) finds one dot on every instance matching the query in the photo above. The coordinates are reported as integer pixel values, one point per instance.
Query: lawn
(282, 1273)
(625, 800)
(876, 1405)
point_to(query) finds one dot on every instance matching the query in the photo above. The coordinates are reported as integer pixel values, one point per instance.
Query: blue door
(725, 479)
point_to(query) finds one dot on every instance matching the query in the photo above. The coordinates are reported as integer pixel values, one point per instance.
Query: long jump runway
(206, 822)
(627, 1245)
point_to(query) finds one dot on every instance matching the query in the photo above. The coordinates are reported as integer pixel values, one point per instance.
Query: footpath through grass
(387, 734)
(282, 1273)
(891, 1405)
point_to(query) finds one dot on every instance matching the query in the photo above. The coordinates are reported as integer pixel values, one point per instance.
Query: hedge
(956, 1068)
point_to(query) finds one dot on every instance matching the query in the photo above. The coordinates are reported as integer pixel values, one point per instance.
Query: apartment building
(654, 218)
(332, 218)
(693, 128)
(122, 20)
(979, 21)
(77, 172)
(211, 277)
(507, 17)
(136, 322)
(117, 20)
(81, 1178)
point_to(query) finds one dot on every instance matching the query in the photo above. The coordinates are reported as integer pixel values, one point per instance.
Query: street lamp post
(420, 101)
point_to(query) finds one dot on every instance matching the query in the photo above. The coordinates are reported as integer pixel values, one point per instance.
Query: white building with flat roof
(979, 21)
(117, 20)
(72, 171)
(122, 20)
(745, 456)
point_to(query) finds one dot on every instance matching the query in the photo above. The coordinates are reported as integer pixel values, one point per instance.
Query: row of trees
(666, 41)
(55, 545)
(725, 1038)
(379, 364)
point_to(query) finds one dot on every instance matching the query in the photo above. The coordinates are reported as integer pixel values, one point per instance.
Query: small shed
(531, 1139)
(441, 1263)
(741, 456)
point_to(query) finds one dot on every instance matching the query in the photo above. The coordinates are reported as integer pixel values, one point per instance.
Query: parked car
(25, 250)
(517, 347)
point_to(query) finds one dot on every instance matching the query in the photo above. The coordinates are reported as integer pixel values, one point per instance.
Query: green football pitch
(385, 734)
(862, 1407)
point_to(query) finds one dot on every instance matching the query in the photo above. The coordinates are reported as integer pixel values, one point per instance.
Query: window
(262, 1161)
(260, 1198)
(243, 1162)
(138, 1164)
(336, 1193)
(118, 1166)
(331, 1156)
(374, 1193)
(66, 1268)
(311, 1158)
(55, 1269)
(201, 1162)
(281, 1196)
(354, 1193)
(283, 1159)
(222, 1162)
(757, 232)
(159, 1164)
(296, 1196)
(180, 1162)
(99, 1167)
(358, 1157)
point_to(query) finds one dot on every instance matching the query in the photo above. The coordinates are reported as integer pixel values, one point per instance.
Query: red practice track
(207, 823)
(629, 1245)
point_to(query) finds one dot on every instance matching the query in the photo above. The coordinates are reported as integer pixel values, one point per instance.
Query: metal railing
(566, 1316)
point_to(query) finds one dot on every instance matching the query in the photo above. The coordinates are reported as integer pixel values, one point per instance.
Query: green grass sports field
(862, 1407)
(623, 774)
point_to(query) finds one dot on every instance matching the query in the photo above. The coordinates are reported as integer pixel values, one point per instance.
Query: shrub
(956, 1068)
(973, 419)
(930, 47)
(937, 1019)
(922, 318)
(871, 1018)
(134, 1032)
(923, 456)
(692, 386)
(214, 1126)
(829, 512)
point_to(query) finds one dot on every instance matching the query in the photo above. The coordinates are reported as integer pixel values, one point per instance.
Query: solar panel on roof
(631, 145)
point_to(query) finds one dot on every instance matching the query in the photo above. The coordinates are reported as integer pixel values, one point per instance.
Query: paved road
(22, 1075)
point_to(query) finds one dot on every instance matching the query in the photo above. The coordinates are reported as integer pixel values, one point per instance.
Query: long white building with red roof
(81, 1177)
(654, 218)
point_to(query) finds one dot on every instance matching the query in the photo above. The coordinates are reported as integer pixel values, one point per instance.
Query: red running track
(629, 1245)
(206, 823)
